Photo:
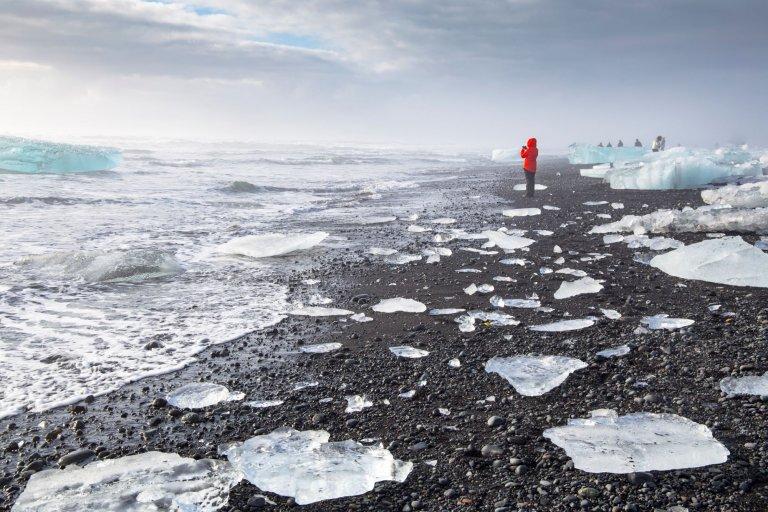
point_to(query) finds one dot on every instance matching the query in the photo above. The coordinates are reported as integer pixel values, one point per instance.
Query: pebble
(495, 421)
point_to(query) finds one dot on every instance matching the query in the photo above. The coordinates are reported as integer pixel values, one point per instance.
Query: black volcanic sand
(522, 471)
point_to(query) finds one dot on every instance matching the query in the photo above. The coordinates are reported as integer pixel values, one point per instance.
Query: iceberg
(304, 465)
(198, 395)
(37, 156)
(608, 443)
(728, 260)
(534, 375)
(564, 325)
(135, 483)
(611, 314)
(399, 304)
(269, 245)
(706, 219)
(748, 195)
(408, 352)
(579, 287)
(587, 154)
(749, 385)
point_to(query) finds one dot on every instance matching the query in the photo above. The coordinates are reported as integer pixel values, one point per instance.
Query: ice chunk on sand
(37, 156)
(596, 171)
(612, 239)
(534, 375)
(413, 228)
(319, 311)
(619, 351)
(564, 325)
(308, 468)
(408, 352)
(499, 302)
(382, 251)
(445, 311)
(469, 271)
(578, 287)
(659, 243)
(377, 220)
(402, 258)
(356, 403)
(537, 186)
(594, 203)
(521, 212)
(611, 313)
(454, 363)
(444, 221)
(197, 395)
(361, 317)
(549, 207)
(703, 219)
(320, 348)
(506, 242)
(473, 289)
(589, 154)
(728, 260)
(663, 321)
(478, 251)
(494, 319)
(504, 279)
(269, 245)
(617, 206)
(399, 304)
(608, 443)
(264, 404)
(749, 385)
(748, 195)
(514, 261)
(151, 481)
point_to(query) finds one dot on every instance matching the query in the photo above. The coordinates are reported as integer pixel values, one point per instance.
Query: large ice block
(588, 154)
(706, 219)
(37, 156)
(748, 195)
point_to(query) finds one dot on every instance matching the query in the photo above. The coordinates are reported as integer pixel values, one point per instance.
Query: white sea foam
(269, 245)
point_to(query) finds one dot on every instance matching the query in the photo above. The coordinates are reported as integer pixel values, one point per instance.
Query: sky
(482, 73)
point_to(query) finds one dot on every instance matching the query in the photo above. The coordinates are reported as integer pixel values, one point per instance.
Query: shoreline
(682, 369)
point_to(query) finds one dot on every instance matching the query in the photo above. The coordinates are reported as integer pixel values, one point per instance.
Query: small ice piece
(617, 206)
(197, 395)
(36, 156)
(545, 270)
(470, 271)
(304, 384)
(564, 325)
(444, 221)
(612, 239)
(534, 375)
(499, 302)
(485, 288)
(410, 218)
(263, 404)
(270, 245)
(762, 244)
(521, 186)
(441, 238)
(619, 351)
(377, 220)
(356, 403)
(454, 363)
(505, 241)
(471, 289)
(578, 287)
(521, 212)
(479, 251)
(310, 282)
(609, 443)
(446, 311)
(663, 321)
(559, 261)
(748, 385)
(603, 216)
(399, 305)
(413, 228)
(408, 394)
(361, 317)
(381, 251)
(551, 208)
(408, 352)
(443, 411)
(319, 311)
(514, 261)
(402, 258)
(150, 481)
(594, 203)
(305, 466)
(467, 321)
(557, 249)
(611, 314)
(320, 348)
(504, 279)
(728, 260)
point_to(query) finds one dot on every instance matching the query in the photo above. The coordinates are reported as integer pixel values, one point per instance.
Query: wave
(245, 187)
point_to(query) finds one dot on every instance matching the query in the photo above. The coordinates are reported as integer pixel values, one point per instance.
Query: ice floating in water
(308, 468)
(361, 317)
(589, 154)
(564, 325)
(399, 304)
(521, 212)
(499, 302)
(266, 246)
(408, 352)
(534, 375)
(578, 287)
(537, 186)
(151, 481)
(319, 311)
(201, 394)
(748, 195)
(663, 321)
(702, 219)
(264, 404)
(37, 156)
(445, 311)
(611, 314)
(608, 443)
(749, 385)
(356, 403)
(320, 348)
(494, 319)
(504, 241)
(381, 251)
(727, 260)
(619, 351)
(402, 258)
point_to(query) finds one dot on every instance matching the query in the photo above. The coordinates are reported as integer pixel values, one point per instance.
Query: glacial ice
(594, 203)
(537, 186)
(663, 321)
(356, 403)
(454, 363)
(479, 251)
(304, 465)
(413, 228)
(580, 286)
(521, 212)
(500, 302)
(748, 385)
(445, 311)
(37, 156)
(659, 243)
(151, 481)
(494, 319)
(728, 260)
(319, 311)
(534, 375)
(571, 272)
(361, 317)
(748, 195)
(504, 241)
(320, 348)
(263, 404)
(514, 261)
(608, 443)
(381, 251)
(611, 314)
(408, 352)
(703, 219)
(596, 171)
(399, 304)
(564, 325)
(588, 154)
(443, 221)
(197, 395)
(269, 245)
(619, 351)
(402, 258)
(473, 289)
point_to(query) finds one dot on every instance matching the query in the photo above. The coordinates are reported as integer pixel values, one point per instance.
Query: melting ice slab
(706, 219)
(269, 245)
(521, 212)
(578, 287)
(408, 352)
(750, 385)
(309, 468)
(399, 304)
(663, 321)
(564, 325)
(151, 481)
(608, 443)
(320, 348)
(201, 394)
(36, 156)
(505, 241)
(534, 375)
(728, 260)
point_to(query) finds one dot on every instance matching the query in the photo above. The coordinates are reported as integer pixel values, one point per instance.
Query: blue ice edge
(29, 156)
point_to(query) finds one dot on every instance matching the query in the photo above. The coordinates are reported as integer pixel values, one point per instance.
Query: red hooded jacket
(529, 154)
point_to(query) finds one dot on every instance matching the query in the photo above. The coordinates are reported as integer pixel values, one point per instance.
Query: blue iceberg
(588, 154)
(37, 156)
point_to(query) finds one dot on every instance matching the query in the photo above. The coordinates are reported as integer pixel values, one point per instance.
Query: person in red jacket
(529, 154)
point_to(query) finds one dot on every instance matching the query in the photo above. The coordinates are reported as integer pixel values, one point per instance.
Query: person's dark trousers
(530, 181)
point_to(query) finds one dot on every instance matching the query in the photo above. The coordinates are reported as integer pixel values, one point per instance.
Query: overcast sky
(485, 73)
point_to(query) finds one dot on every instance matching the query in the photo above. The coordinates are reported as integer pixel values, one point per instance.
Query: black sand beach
(490, 454)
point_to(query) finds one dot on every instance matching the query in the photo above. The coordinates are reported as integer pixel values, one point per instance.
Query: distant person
(663, 143)
(609, 145)
(529, 153)
(638, 144)
(600, 145)
(620, 144)
(656, 146)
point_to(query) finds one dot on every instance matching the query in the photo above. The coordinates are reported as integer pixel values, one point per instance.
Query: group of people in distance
(659, 144)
